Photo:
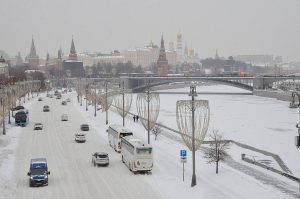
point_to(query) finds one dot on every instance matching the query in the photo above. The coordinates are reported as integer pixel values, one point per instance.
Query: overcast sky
(231, 26)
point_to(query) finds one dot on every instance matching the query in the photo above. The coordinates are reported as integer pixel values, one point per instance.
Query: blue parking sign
(183, 153)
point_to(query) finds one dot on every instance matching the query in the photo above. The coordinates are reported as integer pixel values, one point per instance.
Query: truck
(38, 172)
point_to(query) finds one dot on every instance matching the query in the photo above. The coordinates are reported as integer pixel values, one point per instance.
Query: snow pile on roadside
(8, 145)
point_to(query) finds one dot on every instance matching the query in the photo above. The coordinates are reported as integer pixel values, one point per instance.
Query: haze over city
(233, 27)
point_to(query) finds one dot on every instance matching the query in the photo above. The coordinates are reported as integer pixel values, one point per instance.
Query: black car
(84, 127)
(18, 108)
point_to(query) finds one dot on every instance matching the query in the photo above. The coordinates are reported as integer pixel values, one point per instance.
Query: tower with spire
(33, 58)
(72, 67)
(162, 62)
(73, 54)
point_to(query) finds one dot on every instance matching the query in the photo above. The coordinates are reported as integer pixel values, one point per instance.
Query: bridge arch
(143, 85)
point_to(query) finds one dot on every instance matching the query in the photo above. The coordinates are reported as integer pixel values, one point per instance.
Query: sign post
(183, 160)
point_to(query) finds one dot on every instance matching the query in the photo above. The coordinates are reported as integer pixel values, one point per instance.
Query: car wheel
(94, 163)
(123, 159)
(129, 167)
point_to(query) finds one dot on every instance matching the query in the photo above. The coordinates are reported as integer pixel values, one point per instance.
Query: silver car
(38, 126)
(80, 137)
(100, 158)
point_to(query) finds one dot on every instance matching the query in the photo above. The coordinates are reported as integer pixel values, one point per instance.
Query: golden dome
(179, 35)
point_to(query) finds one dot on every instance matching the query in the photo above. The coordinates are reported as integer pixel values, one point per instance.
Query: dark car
(18, 108)
(84, 127)
(46, 108)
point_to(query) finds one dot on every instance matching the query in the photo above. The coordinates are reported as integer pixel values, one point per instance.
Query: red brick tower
(162, 62)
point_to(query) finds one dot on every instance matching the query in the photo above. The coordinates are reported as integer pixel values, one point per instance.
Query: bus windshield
(21, 116)
(124, 134)
(143, 150)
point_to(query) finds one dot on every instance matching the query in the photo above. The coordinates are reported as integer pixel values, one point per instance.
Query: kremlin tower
(162, 62)
(33, 58)
(72, 55)
(72, 67)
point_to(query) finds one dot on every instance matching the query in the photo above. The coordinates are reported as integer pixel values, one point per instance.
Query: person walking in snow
(137, 118)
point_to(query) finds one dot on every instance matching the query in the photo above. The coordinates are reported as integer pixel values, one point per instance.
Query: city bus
(136, 154)
(21, 118)
(115, 133)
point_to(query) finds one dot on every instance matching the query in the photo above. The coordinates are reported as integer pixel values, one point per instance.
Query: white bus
(136, 154)
(115, 133)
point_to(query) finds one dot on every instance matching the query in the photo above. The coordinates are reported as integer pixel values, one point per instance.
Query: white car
(100, 158)
(64, 117)
(38, 126)
(80, 137)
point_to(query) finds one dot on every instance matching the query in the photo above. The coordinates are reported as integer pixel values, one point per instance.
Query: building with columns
(147, 56)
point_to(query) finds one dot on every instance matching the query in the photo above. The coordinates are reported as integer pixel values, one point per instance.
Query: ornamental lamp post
(192, 120)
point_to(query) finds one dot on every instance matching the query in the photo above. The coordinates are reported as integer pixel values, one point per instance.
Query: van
(38, 172)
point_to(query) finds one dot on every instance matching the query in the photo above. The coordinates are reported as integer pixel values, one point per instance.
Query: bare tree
(217, 149)
(156, 130)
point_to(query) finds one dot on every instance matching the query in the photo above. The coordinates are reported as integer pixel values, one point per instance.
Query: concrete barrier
(289, 176)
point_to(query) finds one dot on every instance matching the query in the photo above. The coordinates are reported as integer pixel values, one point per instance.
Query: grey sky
(231, 26)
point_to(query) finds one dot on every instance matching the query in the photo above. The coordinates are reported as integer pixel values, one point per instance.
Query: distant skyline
(233, 27)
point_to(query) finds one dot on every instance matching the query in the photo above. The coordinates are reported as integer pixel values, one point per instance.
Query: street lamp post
(3, 123)
(123, 93)
(106, 102)
(193, 94)
(95, 101)
(86, 91)
(148, 101)
(9, 104)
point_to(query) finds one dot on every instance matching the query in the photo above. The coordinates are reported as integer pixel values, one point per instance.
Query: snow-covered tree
(217, 149)
(156, 130)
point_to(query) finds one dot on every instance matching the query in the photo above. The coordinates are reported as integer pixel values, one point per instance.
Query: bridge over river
(140, 83)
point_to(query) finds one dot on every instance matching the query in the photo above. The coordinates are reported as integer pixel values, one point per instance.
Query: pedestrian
(134, 118)
(137, 118)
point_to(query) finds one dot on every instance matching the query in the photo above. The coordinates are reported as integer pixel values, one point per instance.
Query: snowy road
(72, 173)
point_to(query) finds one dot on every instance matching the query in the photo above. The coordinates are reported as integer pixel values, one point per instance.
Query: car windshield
(40, 171)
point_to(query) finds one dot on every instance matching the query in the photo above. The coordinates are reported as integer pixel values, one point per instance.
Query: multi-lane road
(72, 173)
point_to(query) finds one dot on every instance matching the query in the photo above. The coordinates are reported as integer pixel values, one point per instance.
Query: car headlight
(46, 176)
(31, 177)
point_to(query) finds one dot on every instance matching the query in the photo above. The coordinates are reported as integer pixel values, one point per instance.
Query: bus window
(143, 150)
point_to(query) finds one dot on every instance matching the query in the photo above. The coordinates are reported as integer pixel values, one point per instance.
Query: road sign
(182, 153)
